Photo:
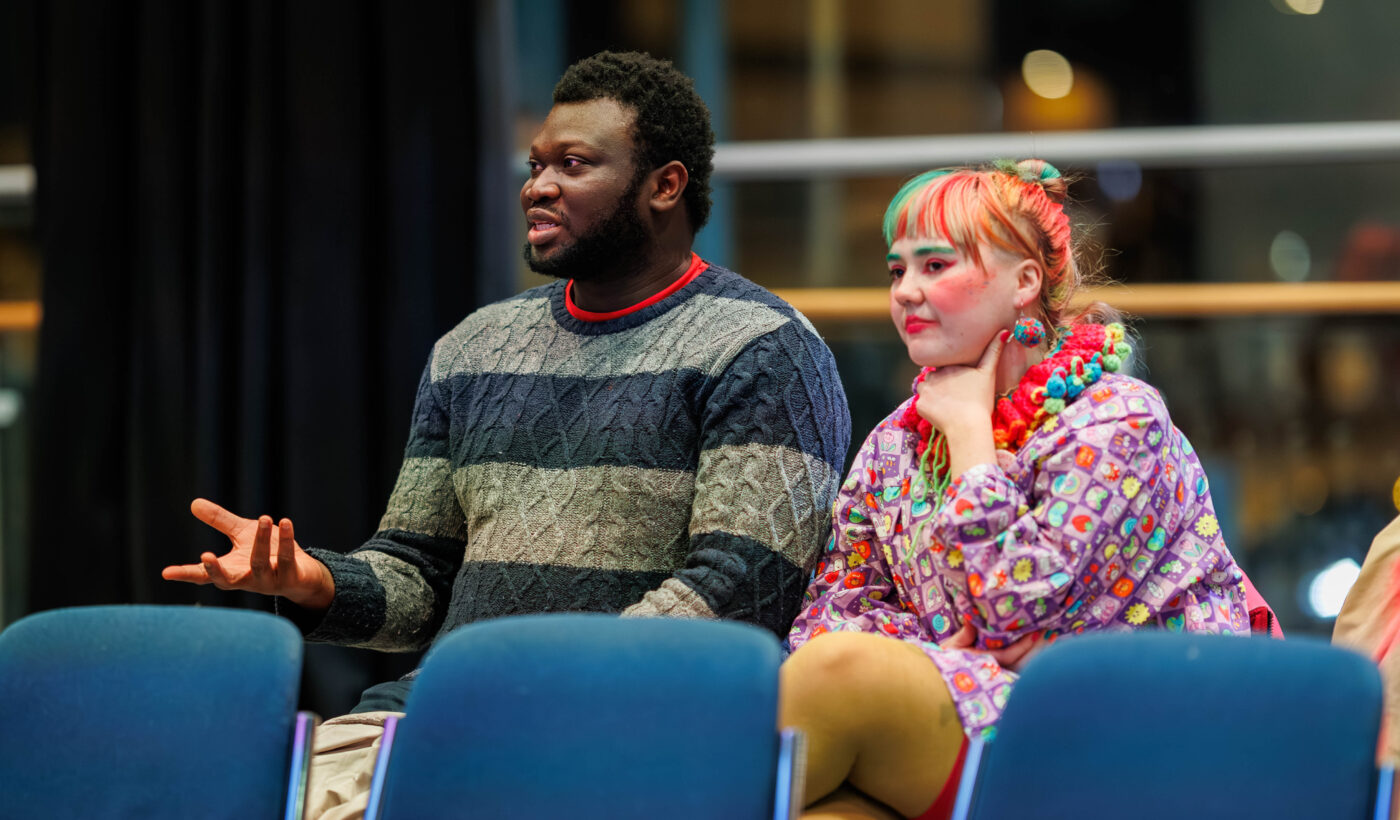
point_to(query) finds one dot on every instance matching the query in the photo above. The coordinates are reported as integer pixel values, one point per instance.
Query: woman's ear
(667, 184)
(1029, 279)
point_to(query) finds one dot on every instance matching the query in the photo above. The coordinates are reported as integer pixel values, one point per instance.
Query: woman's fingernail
(1004, 335)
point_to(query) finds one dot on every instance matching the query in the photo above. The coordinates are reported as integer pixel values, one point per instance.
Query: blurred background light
(1120, 180)
(1047, 73)
(1329, 587)
(1301, 6)
(1289, 257)
(11, 402)
(1307, 489)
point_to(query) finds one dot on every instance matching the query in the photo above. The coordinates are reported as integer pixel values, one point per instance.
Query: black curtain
(255, 218)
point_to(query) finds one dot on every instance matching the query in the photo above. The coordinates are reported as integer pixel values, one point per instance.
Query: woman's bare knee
(899, 754)
(840, 659)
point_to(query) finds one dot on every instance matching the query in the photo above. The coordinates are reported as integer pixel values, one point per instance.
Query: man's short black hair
(672, 121)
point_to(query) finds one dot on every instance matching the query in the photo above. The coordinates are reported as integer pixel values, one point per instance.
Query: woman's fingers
(1015, 656)
(964, 638)
(992, 354)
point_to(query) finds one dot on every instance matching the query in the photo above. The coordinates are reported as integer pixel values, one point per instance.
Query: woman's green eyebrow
(932, 249)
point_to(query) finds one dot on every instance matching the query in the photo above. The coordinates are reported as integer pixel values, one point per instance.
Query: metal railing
(1182, 147)
(1204, 146)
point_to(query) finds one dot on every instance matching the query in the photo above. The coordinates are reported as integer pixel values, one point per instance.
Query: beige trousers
(1370, 623)
(342, 764)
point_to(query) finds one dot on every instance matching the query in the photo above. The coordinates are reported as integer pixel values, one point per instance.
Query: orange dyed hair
(1016, 207)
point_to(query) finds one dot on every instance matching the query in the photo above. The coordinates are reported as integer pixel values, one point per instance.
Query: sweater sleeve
(391, 593)
(1021, 562)
(854, 587)
(774, 428)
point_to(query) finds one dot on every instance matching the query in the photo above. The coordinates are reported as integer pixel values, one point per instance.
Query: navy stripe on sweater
(613, 421)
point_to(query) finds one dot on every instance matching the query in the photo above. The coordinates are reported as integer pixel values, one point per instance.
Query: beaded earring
(1029, 331)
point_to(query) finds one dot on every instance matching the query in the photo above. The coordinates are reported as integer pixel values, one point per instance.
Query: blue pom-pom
(1076, 386)
(1055, 385)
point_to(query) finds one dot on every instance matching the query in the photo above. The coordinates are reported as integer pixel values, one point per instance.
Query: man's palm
(252, 563)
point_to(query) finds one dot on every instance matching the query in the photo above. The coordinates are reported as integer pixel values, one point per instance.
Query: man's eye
(533, 166)
(572, 162)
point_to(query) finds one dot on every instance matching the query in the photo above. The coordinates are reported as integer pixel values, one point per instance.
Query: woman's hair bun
(1038, 172)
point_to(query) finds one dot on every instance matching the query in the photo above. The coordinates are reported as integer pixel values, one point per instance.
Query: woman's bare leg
(876, 713)
(848, 804)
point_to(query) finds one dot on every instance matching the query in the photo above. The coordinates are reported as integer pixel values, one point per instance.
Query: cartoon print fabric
(1102, 520)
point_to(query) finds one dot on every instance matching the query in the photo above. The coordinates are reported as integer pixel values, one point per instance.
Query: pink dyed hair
(1015, 207)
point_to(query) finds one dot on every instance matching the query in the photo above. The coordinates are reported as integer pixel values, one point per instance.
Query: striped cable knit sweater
(678, 460)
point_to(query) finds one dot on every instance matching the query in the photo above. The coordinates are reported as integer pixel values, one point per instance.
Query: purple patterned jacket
(1102, 520)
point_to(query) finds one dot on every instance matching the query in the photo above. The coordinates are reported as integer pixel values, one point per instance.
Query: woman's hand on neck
(1016, 359)
(959, 400)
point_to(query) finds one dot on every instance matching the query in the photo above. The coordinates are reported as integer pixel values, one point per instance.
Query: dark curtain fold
(255, 218)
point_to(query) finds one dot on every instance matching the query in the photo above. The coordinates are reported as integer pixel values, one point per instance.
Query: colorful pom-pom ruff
(1084, 353)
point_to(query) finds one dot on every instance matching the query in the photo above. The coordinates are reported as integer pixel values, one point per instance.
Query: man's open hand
(252, 564)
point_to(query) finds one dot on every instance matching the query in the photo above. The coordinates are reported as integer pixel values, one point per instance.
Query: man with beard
(650, 435)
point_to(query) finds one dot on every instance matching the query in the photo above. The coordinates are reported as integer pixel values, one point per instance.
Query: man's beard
(613, 248)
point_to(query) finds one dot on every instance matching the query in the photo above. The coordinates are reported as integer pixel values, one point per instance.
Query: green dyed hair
(1015, 207)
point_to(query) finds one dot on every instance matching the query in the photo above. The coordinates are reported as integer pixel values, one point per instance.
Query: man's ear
(667, 183)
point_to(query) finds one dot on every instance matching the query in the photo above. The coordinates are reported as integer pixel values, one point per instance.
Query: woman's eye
(935, 265)
(895, 273)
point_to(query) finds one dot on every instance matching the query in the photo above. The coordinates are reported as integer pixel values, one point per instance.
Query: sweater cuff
(356, 613)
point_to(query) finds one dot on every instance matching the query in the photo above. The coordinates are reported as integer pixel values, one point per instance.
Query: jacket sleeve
(391, 593)
(854, 587)
(774, 430)
(1022, 562)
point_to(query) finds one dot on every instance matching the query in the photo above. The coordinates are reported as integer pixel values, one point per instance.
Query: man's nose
(542, 186)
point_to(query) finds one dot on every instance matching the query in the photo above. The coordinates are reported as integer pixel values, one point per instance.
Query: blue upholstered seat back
(1162, 725)
(147, 711)
(590, 716)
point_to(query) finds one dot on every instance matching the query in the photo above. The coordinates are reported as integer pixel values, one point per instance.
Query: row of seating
(154, 712)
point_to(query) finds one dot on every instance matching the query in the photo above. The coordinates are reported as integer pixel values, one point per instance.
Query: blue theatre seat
(151, 712)
(1163, 726)
(591, 716)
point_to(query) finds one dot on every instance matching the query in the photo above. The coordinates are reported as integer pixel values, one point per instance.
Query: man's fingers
(260, 560)
(286, 548)
(189, 573)
(216, 516)
(210, 564)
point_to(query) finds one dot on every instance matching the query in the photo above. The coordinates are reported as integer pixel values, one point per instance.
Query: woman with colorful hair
(1029, 489)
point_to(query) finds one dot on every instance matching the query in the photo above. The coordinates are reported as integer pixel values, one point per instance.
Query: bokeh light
(1047, 73)
(1120, 180)
(1289, 257)
(1304, 6)
(1329, 587)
